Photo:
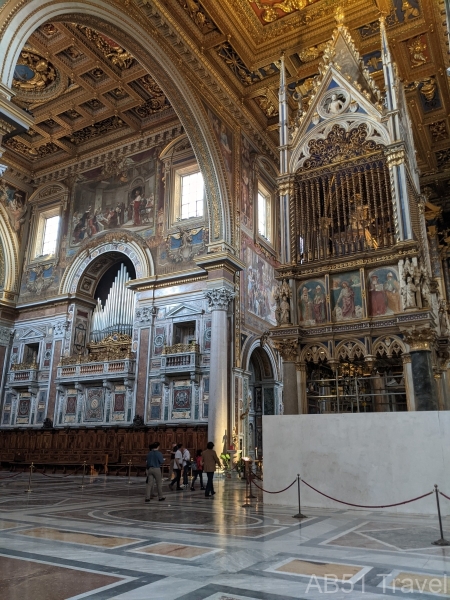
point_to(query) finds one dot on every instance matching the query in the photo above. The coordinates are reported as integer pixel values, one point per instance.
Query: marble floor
(103, 541)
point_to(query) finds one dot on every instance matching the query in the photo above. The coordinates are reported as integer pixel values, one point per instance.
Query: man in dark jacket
(154, 462)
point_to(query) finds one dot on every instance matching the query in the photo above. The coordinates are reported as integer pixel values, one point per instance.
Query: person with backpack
(197, 470)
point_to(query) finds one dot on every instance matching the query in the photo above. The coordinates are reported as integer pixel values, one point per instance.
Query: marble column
(219, 299)
(301, 387)
(421, 342)
(409, 385)
(288, 350)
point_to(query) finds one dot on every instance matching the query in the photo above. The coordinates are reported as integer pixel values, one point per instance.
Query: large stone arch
(125, 23)
(255, 344)
(119, 242)
(9, 255)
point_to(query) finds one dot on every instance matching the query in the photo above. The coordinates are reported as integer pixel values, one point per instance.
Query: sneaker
(161, 499)
(192, 489)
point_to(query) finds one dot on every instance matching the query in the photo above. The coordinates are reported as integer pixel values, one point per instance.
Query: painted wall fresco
(384, 292)
(346, 297)
(259, 283)
(224, 137)
(14, 201)
(247, 184)
(125, 199)
(312, 302)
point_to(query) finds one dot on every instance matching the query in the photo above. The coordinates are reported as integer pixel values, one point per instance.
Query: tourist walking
(210, 460)
(172, 460)
(177, 468)
(154, 463)
(198, 470)
(186, 466)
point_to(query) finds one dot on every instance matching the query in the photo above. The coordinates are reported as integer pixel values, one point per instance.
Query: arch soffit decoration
(314, 352)
(50, 191)
(350, 349)
(255, 344)
(10, 250)
(126, 27)
(77, 276)
(389, 344)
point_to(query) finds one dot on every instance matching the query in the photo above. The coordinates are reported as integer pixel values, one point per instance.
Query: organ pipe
(116, 316)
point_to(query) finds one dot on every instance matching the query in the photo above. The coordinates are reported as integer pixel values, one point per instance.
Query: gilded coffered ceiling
(84, 89)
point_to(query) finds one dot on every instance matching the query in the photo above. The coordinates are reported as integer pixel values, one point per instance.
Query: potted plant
(226, 461)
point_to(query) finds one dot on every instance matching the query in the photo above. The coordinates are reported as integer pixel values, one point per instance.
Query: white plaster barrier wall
(368, 459)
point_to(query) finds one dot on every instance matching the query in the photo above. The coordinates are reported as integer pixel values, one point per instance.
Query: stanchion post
(84, 472)
(442, 541)
(250, 494)
(129, 472)
(29, 490)
(299, 515)
(247, 495)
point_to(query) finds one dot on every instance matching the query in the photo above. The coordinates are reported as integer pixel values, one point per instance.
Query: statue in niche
(424, 284)
(283, 307)
(409, 293)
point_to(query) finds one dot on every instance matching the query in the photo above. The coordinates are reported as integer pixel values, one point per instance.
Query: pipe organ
(116, 316)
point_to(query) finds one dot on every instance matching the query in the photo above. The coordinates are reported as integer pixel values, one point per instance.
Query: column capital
(419, 339)
(219, 298)
(287, 348)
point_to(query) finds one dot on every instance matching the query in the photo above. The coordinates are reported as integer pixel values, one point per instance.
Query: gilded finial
(339, 15)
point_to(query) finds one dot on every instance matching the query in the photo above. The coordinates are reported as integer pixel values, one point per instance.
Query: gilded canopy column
(288, 350)
(219, 299)
(395, 157)
(420, 342)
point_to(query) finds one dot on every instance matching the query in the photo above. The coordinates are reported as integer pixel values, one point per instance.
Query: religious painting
(181, 402)
(119, 402)
(14, 201)
(93, 410)
(246, 184)
(312, 302)
(384, 292)
(224, 137)
(260, 286)
(124, 197)
(71, 405)
(346, 296)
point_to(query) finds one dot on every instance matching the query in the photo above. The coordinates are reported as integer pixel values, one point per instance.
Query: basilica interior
(213, 212)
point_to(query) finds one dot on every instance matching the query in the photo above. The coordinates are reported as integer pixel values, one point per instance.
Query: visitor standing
(177, 468)
(210, 460)
(154, 463)
(198, 472)
(186, 466)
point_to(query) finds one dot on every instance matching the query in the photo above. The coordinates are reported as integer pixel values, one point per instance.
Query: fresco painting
(384, 292)
(312, 302)
(346, 297)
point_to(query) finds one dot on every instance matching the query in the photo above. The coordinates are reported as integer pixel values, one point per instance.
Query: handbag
(194, 466)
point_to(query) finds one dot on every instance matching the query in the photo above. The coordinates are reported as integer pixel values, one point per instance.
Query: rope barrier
(445, 495)
(279, 492)
(364, 506)
(57, 477)
(10, 476)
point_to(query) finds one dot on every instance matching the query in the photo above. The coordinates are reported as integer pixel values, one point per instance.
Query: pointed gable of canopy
(344, 95)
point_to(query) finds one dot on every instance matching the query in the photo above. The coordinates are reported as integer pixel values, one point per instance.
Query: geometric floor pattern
(104, 542)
